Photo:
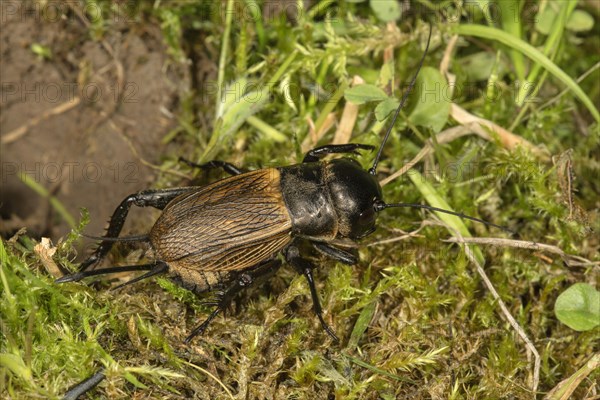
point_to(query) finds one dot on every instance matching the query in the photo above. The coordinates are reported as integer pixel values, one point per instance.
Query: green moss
(414, 319)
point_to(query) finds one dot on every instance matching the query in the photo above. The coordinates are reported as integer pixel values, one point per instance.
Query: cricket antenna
(373, 169)
(380, 206)
(136, 238)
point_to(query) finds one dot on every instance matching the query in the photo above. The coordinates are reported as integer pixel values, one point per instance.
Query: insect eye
(367, 217)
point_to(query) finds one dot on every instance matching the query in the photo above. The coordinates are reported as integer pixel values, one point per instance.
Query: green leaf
(361, 94)
(432, 107)
(531, 52)
(15, 364)
(580, 21)
(234, 113)
(479, 66)
(578, 307)
(385, 108)
(386, 10)
(386, 74)
(134, 381)
(232, 95)
(37, 187)
(545, 19)
(249, 104)
(266, 129)
(362, 323)
(41, 51)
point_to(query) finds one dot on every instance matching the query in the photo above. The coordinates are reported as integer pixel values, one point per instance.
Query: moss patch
(414, 319)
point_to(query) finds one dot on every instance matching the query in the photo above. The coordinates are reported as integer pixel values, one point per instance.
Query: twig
(447, 57)
(470, 124)
(443, 137)
(140, 158)
(45, 251)
(314, 135)
(511, 320)
(558, 96)
(388, 58)
(16, 134)
(570, 259)
(406, 235)
(348, 119)
(566, 387)
(508, 139)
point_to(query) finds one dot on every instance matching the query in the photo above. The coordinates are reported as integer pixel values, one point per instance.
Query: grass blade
(510, 11)
(550, 49)
(531, 52)
(435, 200)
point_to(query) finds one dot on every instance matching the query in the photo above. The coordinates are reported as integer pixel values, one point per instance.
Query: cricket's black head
(354, 193)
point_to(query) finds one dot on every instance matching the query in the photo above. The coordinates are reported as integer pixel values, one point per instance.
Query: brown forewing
(232, 224)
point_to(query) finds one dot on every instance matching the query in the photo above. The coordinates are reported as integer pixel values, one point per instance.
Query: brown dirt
(83, 154)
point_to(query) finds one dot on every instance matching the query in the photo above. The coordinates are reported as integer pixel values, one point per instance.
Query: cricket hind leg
(156, 268)
(240, 282)
(146, 198)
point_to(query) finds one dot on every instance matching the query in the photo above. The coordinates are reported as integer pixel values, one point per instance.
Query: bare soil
(80, 121)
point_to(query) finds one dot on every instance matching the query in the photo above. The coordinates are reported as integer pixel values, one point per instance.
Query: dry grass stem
(569, 259)
(16, 134)
(348, 120)
(137, 155)
(564, 390)
(441, 138)
(313, 137)
(406, 235)
(212, 377)
(45, 252)
(508, 139)
(511, 320)
(447, 59)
